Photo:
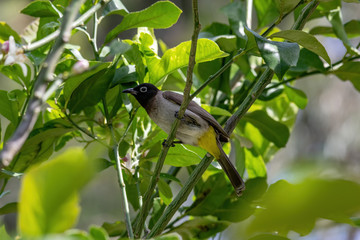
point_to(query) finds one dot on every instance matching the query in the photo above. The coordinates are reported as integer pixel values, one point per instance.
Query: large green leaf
(48, 200)
(6, 31)
(74, 81)
(272, 130)
(162, 14)
(296, 96)
(304, 39)
(91, 91)
(308, 201)
(266, 12)
(41, 8)
(349, 71)
(279, 56)
(178, 57)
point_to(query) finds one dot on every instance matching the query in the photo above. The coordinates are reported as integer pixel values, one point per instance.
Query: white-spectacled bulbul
(197, 127)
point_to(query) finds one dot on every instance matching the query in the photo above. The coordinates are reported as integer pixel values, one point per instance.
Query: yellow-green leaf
(48, 200)
(178, 57)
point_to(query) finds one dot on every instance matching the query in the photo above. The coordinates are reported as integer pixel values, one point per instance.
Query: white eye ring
(143, 89)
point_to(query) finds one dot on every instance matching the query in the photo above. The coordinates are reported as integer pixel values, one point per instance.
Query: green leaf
(254, 163)
(178, 57)
(162, 14)
(98, 233)
(3, 234)
(296, 96)
(268, 237)
(74, 81)
(114, 229)
(307, 60)
(236, 13)
(158, 209)
(48, 201)
(9, 208)
(335, 18)
(210, 195)
(272, 130)
(266, 12)
(308, 201)
(6, 31)
(216, 110)
(91, 91)
(200, 228)
(279, 56)
(352, 29)
(169, 236)
(165, 191)
(40, 144)
(41, 8)
(8, 108)
(349, 71)
(285, 6)
(304, 39)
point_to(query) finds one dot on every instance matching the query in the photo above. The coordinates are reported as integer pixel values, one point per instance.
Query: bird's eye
(143, 89)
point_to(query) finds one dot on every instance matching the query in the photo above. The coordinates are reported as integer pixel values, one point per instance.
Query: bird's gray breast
(191, 128)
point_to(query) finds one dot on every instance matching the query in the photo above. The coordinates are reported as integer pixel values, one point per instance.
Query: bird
(197, 127)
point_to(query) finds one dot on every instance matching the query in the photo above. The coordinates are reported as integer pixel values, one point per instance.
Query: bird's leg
(177, 115)
(173, 143)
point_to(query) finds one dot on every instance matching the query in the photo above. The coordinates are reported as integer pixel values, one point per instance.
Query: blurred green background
(325, 141)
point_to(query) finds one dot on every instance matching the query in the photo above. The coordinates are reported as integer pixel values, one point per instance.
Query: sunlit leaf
(41, 8)
(48, 200)
(274, 131)
(266, 12)
(3, 234)
(162, 14)
(6, 31)
(114, 229)
(178, 57)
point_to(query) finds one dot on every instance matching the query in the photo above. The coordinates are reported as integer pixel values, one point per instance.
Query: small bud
(80, 66)
(5, 47)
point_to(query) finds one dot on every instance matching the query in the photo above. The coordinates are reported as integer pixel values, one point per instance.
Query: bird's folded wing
(195, 108)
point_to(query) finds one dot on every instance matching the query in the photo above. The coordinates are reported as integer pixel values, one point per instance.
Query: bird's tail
(230, 171)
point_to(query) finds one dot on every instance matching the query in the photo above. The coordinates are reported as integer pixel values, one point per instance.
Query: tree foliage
(82, 102)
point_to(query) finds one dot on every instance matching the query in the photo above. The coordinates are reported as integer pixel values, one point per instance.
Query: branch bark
(147, 197)
(14, 144)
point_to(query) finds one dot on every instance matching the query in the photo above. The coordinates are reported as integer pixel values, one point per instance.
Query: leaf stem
(148, 194)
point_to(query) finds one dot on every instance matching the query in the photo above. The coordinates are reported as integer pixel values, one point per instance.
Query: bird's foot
(164, 143)
(177, 115)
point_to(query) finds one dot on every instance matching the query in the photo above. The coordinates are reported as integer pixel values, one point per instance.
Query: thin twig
(14, 144)
(147, 197)
(229, 127)
(124, 201)
(76, 23)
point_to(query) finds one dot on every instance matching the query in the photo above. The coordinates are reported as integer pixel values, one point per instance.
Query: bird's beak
(130, 90)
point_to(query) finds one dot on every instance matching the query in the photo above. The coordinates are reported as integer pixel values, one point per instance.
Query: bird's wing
(195, 108)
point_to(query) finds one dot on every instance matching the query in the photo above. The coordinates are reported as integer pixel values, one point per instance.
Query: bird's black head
(143, 93)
